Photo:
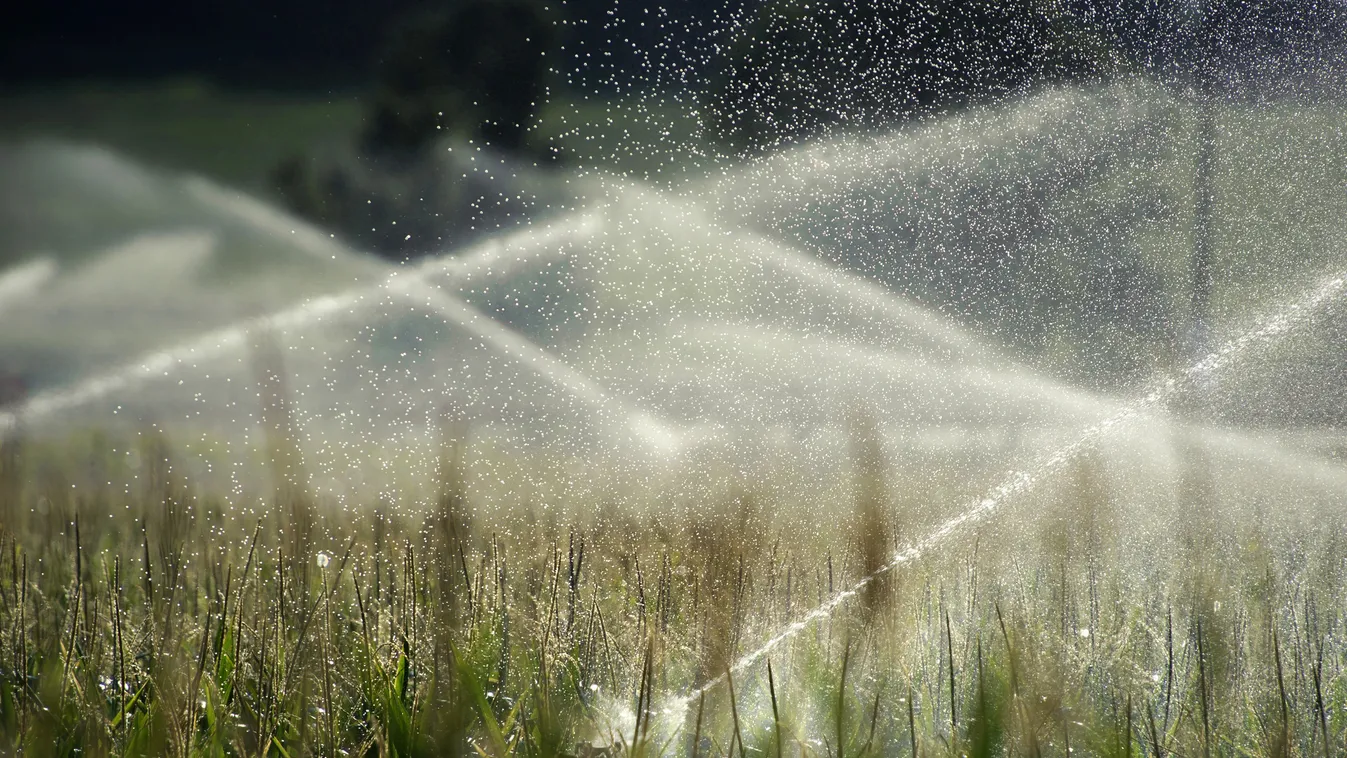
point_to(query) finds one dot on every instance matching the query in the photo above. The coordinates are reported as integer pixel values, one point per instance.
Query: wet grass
(139, 617)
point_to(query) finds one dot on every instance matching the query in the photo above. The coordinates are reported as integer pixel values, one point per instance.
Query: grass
(140, 618)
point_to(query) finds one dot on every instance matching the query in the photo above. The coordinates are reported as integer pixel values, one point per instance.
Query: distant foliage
(476, 69)
(799, 67)
(473, 71)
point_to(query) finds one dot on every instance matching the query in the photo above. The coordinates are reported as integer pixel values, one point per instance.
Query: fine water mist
(819, 378)
(762, 305)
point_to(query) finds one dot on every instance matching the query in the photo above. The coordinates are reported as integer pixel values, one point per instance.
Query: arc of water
(16, 283)
(235, 336)
(655, 433)
(1019, 482)
(970, 137)
(821, 158)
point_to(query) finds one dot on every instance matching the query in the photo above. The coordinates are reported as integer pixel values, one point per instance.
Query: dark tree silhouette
(472, 70)
(476, 69)
(803, 66)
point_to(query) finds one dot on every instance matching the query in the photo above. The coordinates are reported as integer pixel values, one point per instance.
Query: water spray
(1019, 482)
(235, 337)
(655, 433)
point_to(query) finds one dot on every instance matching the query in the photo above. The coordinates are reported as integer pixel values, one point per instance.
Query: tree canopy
(799, 67)
(475, 69)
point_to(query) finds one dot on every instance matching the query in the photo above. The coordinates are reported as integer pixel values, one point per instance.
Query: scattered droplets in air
(701, 297)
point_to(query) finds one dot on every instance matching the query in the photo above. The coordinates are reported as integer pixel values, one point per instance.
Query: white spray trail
(1019, 482)
(489, 254)
(655, 433)
(17, 283)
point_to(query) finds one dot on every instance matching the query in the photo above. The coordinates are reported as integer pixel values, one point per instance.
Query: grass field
(142, 615)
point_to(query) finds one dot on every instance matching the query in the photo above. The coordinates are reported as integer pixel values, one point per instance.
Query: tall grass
(141, 618)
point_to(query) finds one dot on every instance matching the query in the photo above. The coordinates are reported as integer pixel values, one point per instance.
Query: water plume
(1017, 483)
(234, 338)
(654, 433)
(17, 284)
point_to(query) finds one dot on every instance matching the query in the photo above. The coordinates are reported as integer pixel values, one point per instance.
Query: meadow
(143, 616)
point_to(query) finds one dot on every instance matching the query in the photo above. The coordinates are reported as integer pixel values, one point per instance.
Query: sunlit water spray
(18, 283)
(490, 255)
(1020, 482)
(841, 163)
(656, 435)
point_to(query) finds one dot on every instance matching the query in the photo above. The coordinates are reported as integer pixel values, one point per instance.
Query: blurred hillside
(234, 136)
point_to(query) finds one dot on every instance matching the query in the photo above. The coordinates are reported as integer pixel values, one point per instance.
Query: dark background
(610, 44)
(305, 44)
